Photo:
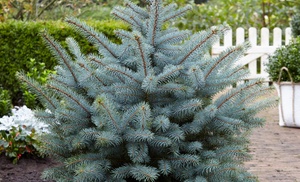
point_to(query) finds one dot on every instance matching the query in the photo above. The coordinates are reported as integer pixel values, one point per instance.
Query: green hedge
(20, 42)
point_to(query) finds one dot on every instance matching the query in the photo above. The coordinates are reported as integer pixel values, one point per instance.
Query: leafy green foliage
(56, 10)
(240, 13)
(157, 107)
(38, 9)
(20, 42)
(295, 24)
(14, 143)
(285, 56)
(5, 102)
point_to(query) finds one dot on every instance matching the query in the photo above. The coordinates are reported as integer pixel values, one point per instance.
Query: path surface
(275, 151)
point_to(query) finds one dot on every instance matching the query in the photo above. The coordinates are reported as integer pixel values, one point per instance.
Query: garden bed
(29, 169)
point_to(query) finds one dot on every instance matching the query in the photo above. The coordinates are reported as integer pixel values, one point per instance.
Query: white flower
(23, 116)
(7, 122)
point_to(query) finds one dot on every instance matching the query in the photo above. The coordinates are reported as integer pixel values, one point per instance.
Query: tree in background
(23, 9)
(240, 13)
(157, 107)
(295, 24)
(236, 13)
(41, 9)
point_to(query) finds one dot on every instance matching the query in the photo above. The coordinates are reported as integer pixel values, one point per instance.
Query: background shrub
(295, 24)
(20, 43)
(5, 102)
(285, 56)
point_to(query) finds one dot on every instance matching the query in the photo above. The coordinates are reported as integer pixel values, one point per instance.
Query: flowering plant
(19, 132)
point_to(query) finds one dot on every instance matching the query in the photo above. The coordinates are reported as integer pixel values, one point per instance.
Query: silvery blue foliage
(157, 107)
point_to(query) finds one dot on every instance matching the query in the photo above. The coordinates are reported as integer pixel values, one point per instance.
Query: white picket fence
(256, 57)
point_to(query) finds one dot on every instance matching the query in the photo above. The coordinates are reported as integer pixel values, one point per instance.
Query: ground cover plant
(19, 133)
(156, 107)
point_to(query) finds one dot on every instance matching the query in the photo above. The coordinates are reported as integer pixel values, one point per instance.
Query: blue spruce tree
(157, 107)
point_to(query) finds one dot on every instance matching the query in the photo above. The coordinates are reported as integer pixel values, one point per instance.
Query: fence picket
(252, 66)
(240, 36)
(257, 53)
(228, 39)
(288, 35)
(265, 41)
(277, 37)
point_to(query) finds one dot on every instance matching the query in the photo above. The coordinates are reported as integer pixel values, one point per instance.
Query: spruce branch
(177, 13)
(121, 172)
(173, 37)
(138, 152)
(223, 170)
(127, 17)
(142, 54)
(101, 103)
(139, 135)
(231, 121)
(138, 10)
(170, 50)
(91, 73)
(169, 8)
(60, 52)
(139, 113)
(89, 32)
(241, 68)
(155, 19)
(124, 34)
(36, 89)
(254, 95)
(51, 146)
(240, 90)
(117, 70)
(72, 162)
(70, 116)
(169, 73)
(160, 141)
(107, 139)
(236, 49)
(184, 160)
(186, 107)
(114, 68)
(144, 173)
(97, 60)
(164, 167)
(127, 93)
(66, 92)
(213, 33)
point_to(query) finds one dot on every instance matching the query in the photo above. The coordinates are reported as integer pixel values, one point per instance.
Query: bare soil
(28, 169)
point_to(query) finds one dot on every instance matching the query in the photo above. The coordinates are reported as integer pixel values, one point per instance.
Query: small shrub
(20, 42)
(285, 56)
(19, 133)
